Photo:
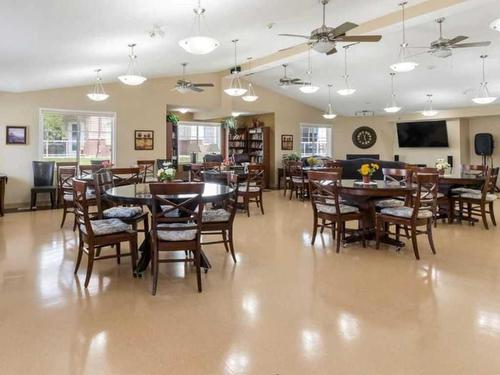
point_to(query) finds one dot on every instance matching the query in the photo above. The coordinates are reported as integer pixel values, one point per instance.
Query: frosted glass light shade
(199, 45)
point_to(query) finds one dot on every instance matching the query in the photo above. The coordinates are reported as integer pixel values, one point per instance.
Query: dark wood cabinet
(172, 144)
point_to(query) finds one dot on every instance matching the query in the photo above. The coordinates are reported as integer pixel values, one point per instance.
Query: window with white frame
(199, 137)
(76, 136)
(315, 140)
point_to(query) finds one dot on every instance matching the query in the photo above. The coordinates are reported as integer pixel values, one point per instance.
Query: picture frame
(144, 140)
(287, 142)
(16, 135)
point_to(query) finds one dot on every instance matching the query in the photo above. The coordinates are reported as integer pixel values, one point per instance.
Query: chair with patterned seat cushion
(418, 212)
(480, 203)
(251, 189)
(180, 232)
(325, 201)
(397, 176)
(299, 182)
(147, 170)
(65, 176)
(97, 234)
(220, 221)
(105, 180)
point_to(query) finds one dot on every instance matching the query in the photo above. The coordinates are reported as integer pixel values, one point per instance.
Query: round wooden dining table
(366, 196)
(139, 194)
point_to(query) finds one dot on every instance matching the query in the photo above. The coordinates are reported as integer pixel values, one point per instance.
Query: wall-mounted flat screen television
(423, 134)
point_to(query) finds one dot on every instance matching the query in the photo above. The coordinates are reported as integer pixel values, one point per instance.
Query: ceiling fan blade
(196, 89)
(295, 35)
(359, 38)
(344, 28)
(457, 39)
(293, 80)
(203, 85)
(181, 82)
(468, 45)
(332, 51)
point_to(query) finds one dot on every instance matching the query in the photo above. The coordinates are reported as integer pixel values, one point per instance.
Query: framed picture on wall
(144, 140)
(16, 135)
(287, 142)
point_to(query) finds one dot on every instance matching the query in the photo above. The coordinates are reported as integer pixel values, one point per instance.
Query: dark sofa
(350, 167)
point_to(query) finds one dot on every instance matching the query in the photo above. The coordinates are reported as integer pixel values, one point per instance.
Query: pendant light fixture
(484, 96)
(348, 90)
(393, 107)
(250, 96)
(308, 87)
(329, 114)
(132, 77)
(429, 111)
(198, 44)
(403, 65)
(495, 25)
(98, 94)
(235, 88)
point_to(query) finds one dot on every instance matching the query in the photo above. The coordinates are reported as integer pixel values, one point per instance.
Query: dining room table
(140, 195)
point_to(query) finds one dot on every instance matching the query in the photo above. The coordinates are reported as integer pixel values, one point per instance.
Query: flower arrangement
(312, 161)
(293, 157)
(442, 165)
(367, 170)
(166, 174)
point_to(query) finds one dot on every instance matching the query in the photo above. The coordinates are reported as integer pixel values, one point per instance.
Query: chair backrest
(43, 173)
(490, 182)
(255, 176)
(211, 165)
(214, 158)
(295, 169)
(103, 181)
(126, 176)
(241, 158)
(66, 164)
(195, 174)
(101, 163)
(395, 175)
(65, 176)
(323, 188)
(177, 203)
(82, 207)
(331, 164)
(232, 202)
(427, 190)
(147, 168)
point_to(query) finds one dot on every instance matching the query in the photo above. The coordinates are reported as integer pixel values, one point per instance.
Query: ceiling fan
(324, 38)
(443, 47)
(183, 86)
(285, 82)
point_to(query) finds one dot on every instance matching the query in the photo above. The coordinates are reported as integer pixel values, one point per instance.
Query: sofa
(350, 167)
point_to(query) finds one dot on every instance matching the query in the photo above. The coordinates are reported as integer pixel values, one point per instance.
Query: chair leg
(224, 238)
(134, 254)
(492, 214)
(414, 242)
(339, 236)
(33, 200)
(322, 226)
(65, 212)
(483, 215)
(74, 222)
(52, 199)
(429, 236)
(231, 244)
(197, 259)
(118, 253)
(315, 229)
(154, 270)
(79, 256)
(90, 265)
(398, 232)
(247, 205)
(363, 235)
(378, 226)
(261, 203)
(292, 187)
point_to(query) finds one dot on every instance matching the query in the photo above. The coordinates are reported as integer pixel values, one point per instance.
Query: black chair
(43, 178)
(213, 158)
(160, 163)
(241, 158)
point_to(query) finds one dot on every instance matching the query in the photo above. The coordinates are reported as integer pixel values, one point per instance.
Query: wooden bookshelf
(172, 144)
(259, 149)
(237, 141)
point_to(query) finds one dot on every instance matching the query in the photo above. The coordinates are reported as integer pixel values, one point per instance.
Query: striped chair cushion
(214, 216)
(405, 212)
(106, 226)
(121, 212)
(390, 203)
(489, 197)
(181, 235)
(344, 209)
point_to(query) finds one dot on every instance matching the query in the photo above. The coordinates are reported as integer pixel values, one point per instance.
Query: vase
(366, 179)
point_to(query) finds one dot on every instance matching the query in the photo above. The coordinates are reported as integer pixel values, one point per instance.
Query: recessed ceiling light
(495, 25)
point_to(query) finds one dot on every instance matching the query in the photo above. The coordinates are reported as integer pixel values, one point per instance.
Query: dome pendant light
(198, 44)
(429, 111)
(329, 114)
(393, 107)
(235, 88)
(132, 77)
(308, 87)
(403, 65)
(484, 96)
(250, 96)
(348, 90)
(98, 94)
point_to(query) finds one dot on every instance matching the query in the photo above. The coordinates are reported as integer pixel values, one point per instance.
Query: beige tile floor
(285, 308)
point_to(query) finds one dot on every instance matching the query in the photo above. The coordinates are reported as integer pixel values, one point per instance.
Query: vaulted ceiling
(54, 43)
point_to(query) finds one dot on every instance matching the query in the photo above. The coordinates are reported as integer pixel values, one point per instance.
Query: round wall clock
(364, 137)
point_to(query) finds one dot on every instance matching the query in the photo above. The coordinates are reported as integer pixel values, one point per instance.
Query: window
(77, 136)
(315, 140)
(200, 137)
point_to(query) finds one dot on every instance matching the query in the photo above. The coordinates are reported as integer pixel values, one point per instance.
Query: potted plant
(293, 157)
(166, 174)
(172, 118)
(442, 166)
(367, 170)
(230, 123)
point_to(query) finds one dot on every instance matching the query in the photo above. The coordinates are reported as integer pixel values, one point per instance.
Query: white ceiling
(58, 43)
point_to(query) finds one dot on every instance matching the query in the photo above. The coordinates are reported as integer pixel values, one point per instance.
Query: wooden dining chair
(177, 224)
(65, 177)
(211, 166)
(95, 234)
(126, 176)
(147, 168)
(132, 215)
(286, 176)
(220, 221)
(480, 202)
(59, 165)
(195, 173)
(332, 164)
(251, 189)
(299, 182)
(417, 213)
(401, 176)
(327, 206)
